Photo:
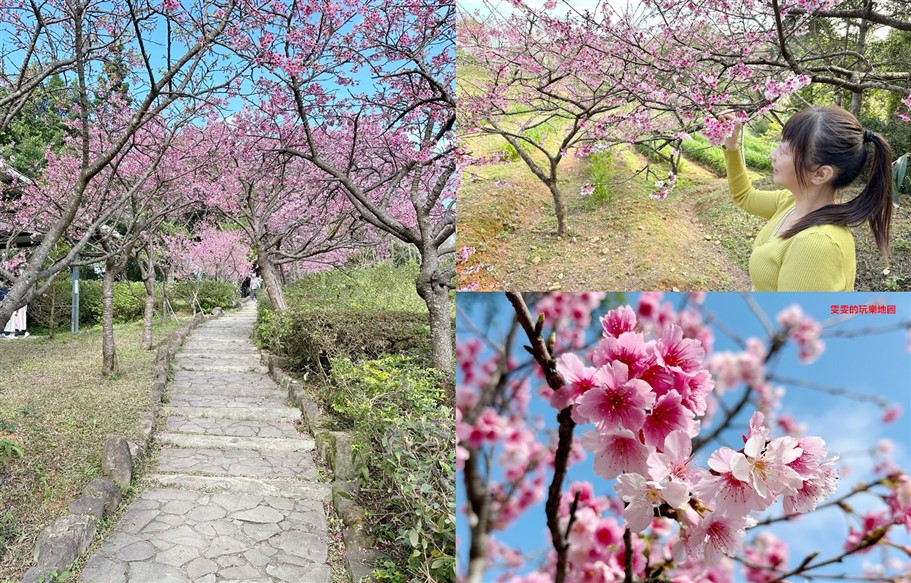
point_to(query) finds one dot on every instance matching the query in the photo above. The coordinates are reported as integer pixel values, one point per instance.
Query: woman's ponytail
(879, 190)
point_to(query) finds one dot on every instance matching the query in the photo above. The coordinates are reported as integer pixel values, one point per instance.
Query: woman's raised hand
(731, 142)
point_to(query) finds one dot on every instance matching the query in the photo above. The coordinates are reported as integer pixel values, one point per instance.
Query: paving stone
(177, 555)
(139, 551)
(260, 514)
(200, 567)
(103, 570)
(147, 572)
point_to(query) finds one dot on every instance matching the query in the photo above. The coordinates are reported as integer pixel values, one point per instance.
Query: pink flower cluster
(904, 115)
(664, 187)
(645, 397)
(521, 456)
(569, 314)
(776, 89)
(733, 368)
(765, 558)
(803, 330)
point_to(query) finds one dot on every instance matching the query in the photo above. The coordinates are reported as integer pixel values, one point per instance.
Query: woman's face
(783, 173)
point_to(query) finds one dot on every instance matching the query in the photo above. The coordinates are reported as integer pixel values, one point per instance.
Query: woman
(807, 244)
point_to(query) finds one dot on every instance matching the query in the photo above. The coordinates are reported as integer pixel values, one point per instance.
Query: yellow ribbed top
(819, 258)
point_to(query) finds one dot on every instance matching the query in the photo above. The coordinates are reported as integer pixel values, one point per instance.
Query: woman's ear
(822, 175)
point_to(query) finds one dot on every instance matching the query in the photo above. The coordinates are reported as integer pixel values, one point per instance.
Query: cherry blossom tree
(692, 448)
(209, 253)
(287, 209)
(364, 94)
(123, 207)
(159, 58)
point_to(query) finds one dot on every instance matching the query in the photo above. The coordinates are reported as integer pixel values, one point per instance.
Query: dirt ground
(634, 243)
(695, 240)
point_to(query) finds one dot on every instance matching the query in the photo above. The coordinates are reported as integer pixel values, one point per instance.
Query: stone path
(235, 495)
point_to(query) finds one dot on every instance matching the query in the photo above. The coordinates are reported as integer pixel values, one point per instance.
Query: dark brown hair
(830, 136)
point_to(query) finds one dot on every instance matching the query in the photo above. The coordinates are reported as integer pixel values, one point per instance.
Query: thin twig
(836, 391)
(542, 353)
(858, 489)
(760, 313)
(628, 555)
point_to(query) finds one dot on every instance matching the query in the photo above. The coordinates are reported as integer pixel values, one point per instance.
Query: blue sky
(871, 364)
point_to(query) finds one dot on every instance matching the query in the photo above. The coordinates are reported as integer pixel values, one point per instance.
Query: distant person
(807, 244)
(255, 284)
(245, 287)
(16, 326)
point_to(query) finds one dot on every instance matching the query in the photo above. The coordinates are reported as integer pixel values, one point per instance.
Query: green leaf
(413, 537)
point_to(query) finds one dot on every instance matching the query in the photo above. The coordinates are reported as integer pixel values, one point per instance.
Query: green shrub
(384, 286)
(91, 303)
(311, 338)
(129, 301)
(600, 174)
(700, 150)
(53, 309)
(204, 295)
(395, 408)
(756, 152)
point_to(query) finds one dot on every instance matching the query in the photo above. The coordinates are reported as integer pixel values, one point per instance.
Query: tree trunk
(109, 364)
(559, 207)
(148, 278)
(271, 281)
(433, 288)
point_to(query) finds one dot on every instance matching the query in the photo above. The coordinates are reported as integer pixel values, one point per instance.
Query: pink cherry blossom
(579, 379)
(642, 496)
(615, 453)
(764, 465)
(617, 400)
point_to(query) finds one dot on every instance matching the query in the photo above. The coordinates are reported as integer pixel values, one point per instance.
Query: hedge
(310, 339)
(53, 310)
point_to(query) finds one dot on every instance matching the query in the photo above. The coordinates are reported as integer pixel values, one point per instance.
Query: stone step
(245, 414)
(237, 463)
(264, 444)
(233, 427)
(216, 401)
(293, 489)
(225, 352)
(243, 377)
(228, 391)
(214, 367)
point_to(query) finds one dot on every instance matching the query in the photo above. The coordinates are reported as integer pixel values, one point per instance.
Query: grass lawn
(58, 408)
(379, 287)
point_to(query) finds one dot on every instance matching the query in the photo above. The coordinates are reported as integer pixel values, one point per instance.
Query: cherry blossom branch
(829, 390)
(760, 314)
(866, 331)
(870, 539)
(542, 353)
(776, 343)
(627, 555)
(858, 489)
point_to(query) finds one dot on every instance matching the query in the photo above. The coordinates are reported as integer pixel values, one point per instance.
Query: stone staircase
(234, 495)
